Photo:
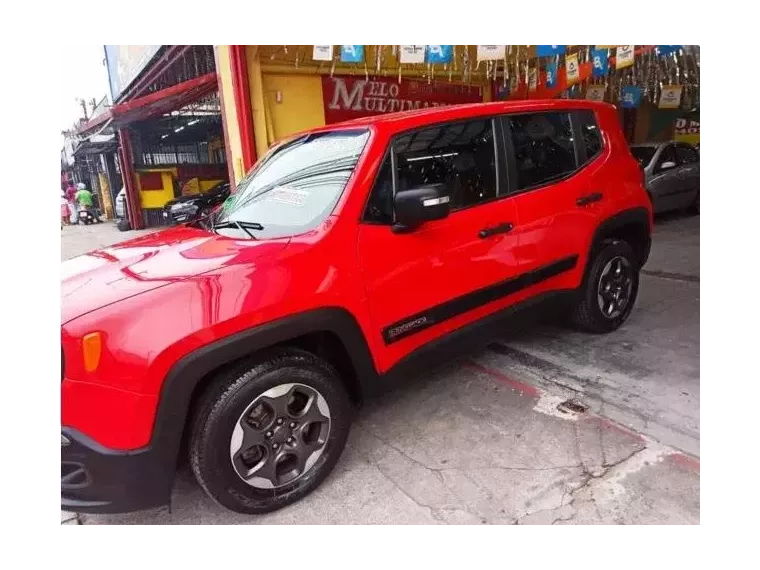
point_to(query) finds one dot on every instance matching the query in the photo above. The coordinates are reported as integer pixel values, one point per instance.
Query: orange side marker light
(91, 346)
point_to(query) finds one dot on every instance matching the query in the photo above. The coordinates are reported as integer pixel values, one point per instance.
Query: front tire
(269, 431)
(609, 290)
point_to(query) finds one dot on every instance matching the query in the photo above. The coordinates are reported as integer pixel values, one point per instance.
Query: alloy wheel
(280, 436)
(615, 286)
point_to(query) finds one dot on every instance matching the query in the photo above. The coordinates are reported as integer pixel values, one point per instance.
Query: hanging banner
(666, 50)
(670, 98)
(595, 92)
(687, 130)
(348, 97)
(624, 56)
(572, 69)
(352, 54)
(439, 54)
(551, 74)
(546, 51)
(322, 53)
(490, 53)
(412, 54)
(630, 97)
(532, 79)
(600, 61)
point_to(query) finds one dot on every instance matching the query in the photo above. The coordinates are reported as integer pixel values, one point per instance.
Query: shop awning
(158, 103)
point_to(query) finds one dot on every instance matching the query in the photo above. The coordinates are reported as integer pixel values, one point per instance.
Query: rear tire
(252, 455)
(609, 290)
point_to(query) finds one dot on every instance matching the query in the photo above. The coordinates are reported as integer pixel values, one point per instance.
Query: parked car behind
(671, 171)
(187, 208)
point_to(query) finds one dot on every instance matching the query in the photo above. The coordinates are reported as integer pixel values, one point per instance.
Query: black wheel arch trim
(181, 381)
(638, 216)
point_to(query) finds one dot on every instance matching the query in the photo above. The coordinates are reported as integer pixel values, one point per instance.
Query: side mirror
(418, 205)
(667, 165)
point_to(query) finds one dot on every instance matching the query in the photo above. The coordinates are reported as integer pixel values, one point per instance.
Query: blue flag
(600, 61)
(545, 51)
(667, 50)
(631, 97)
(439, 54)
(551, 74)
(351, 54)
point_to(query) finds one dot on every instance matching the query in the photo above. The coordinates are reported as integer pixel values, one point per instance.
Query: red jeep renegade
(353, 256)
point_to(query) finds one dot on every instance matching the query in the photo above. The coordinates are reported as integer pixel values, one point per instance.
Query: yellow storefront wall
(157, 198)
(286, 96)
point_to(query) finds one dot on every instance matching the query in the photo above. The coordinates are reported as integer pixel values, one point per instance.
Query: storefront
(167, 114)
(271, 92)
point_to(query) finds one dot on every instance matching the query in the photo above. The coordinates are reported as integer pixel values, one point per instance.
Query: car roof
(404, 120)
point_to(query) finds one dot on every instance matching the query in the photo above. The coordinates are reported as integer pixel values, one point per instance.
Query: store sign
(687, 130)
(349, 97)
(125, 63)
(670, 98)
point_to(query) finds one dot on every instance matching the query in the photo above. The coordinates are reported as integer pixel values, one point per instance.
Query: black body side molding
(455, 307)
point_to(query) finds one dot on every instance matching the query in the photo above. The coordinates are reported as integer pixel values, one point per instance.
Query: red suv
(352, 257)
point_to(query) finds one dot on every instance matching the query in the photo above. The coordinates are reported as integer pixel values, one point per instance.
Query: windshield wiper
(240, 224)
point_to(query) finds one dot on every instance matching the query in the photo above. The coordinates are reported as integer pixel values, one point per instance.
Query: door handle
(589, 199)
(500, 229)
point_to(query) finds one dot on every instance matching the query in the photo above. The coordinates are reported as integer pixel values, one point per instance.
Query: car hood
(108, 275)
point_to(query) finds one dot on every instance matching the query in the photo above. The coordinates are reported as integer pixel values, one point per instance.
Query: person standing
(71, 198)
(65, 219)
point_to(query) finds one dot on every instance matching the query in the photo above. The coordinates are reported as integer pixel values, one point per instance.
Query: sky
(83, 76)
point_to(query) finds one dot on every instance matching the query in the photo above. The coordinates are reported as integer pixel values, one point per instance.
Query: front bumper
(95, 479)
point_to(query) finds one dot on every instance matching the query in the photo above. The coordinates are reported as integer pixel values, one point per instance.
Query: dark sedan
(188, 208)
(671, 171)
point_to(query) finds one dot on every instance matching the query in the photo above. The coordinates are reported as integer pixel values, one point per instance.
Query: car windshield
(643, 154)
(295, 187)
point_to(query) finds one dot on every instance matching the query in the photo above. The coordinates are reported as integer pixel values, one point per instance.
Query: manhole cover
(572, 406)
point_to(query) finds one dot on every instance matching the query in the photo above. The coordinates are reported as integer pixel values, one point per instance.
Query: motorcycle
(88, 216)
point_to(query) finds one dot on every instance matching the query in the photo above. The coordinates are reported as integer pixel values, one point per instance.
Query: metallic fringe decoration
(366, 70)
(332, 66)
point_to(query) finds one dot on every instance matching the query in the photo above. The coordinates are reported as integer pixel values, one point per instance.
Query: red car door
(430, 281)
(558, 190)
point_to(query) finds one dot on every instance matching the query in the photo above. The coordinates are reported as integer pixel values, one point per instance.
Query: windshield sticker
(288, 196)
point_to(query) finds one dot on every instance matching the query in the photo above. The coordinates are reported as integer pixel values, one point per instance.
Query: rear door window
(544, 149)
(687, 154)
(589, 133)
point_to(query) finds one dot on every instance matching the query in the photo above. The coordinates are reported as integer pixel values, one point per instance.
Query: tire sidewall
(218, 475)
(608, 251)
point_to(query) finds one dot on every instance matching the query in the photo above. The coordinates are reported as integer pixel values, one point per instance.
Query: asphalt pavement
(543, 426)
